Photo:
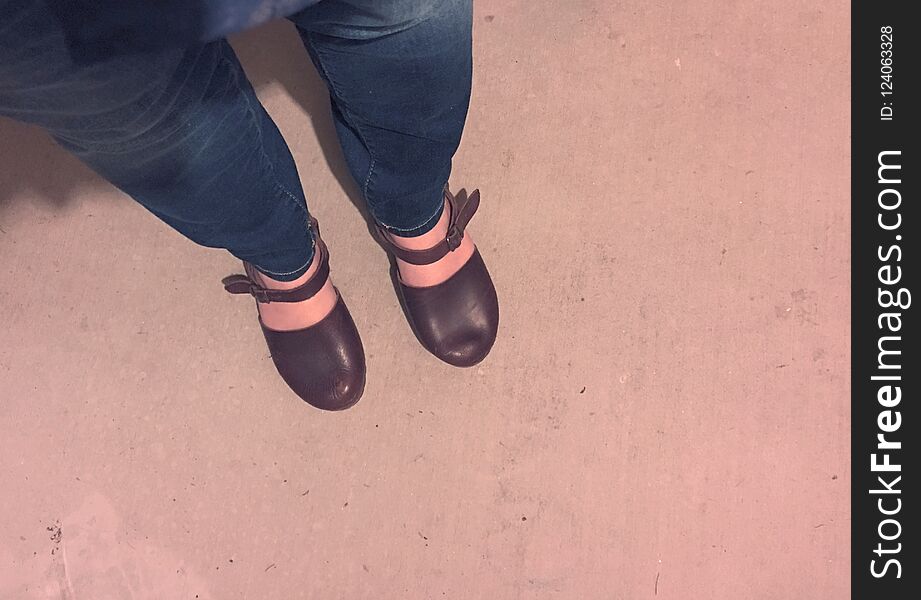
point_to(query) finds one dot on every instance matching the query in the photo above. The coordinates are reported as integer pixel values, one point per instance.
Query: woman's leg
(180, 131)
(399, 77)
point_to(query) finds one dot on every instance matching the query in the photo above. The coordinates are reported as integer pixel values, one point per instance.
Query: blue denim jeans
(179, 128)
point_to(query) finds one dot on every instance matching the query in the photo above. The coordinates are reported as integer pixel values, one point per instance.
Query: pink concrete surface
(665, 414)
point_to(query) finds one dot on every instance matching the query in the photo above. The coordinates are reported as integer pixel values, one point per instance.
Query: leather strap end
(237, 284)
(461, 207)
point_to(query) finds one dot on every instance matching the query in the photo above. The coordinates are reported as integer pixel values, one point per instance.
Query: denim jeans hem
(292, 275)
(426, 226)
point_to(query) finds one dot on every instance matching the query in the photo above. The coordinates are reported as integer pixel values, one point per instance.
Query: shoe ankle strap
(246, 284)
(462, 209)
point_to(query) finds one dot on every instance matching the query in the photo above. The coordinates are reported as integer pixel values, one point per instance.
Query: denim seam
(265, 157)
(351, 116)
(276, 183)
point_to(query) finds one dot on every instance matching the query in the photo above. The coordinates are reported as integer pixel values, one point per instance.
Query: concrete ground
(665, 413)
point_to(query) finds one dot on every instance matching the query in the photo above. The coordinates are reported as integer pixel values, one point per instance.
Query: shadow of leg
(274, 53)
(32, 164)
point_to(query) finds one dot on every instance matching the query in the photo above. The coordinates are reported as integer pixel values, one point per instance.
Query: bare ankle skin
(438, 272)
(291, 316)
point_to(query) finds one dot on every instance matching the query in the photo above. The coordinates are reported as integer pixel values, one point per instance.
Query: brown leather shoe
(324, 364)
(457, 319)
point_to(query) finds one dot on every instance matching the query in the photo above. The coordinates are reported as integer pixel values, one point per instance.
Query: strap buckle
(260, 293)
(454, 237)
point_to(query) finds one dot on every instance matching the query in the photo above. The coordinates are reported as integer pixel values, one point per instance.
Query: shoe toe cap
(323, 364)
(466, 349)
(339, 391)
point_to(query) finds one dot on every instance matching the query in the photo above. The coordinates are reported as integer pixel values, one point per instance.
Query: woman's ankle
(275, 284)
(426, 240)
(285, 316)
